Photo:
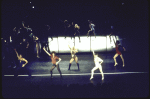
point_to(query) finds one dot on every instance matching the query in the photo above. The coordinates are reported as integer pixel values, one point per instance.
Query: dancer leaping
(97, 65)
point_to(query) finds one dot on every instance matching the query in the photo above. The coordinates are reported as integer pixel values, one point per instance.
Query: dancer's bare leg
(122, 60)
(76, 59)
(88, 33)
(115, 56)
(71, 60)
(92, 72)
(37, 48)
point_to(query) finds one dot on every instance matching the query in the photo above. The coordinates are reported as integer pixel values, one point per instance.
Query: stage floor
(134, 72)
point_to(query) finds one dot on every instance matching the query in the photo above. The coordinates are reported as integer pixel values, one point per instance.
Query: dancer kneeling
(74, 57)
(97, 65)
(55, 64)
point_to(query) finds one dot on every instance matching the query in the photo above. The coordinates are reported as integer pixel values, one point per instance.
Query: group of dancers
(98, 61)
(73, 29)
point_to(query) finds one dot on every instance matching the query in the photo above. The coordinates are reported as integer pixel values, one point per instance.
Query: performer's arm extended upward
(69, 46)
(46, 51)
(17, 54)
(93, 52)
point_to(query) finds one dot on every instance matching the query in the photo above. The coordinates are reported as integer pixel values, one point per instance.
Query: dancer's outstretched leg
(92, 72)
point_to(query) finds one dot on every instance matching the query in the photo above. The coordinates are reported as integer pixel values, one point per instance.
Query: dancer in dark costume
(36, 40)
(76, 28)
(73, 51)
(55, 64)
(91, 25)
(66, 26)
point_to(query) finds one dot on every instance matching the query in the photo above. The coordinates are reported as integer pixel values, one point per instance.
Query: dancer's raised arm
(46, 51)
(93, 52)
(17, 53)
(69, 46)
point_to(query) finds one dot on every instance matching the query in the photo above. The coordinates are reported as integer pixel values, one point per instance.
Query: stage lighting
(30, 2)
(32, 6)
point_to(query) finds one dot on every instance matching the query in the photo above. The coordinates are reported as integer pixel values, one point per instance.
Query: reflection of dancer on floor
(55, 64)
(91, 25)
(97, 65)
(118, 52)
(35, 38)
(76, 28)
(73, 51)
(21, 63)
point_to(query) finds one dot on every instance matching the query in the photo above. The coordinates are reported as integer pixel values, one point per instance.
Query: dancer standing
(117, 44)
(36, 40)
(76, 28)
(73, 56)
(55, 64)
(97, 65)
(91, 25)
(66, 26)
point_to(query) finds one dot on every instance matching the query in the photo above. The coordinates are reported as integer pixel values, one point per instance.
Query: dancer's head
(117, 42)
(96, 55)
(20, 55)
(73, 47)
(53, 53)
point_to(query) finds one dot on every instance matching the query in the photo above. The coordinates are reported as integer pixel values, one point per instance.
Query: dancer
(36, 40)
(76, 28)
(21, 60)
(71, 30)
(97, 65)
(117, 44)
(91, 25)
(47, 30)
(55, 64)
(74, 57)
(66, 26)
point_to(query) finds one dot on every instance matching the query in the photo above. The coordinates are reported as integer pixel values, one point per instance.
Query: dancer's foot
(102, 78)
(116, 64)
(123, 65)
(38, 57)
(68, 69)
(91, 78)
